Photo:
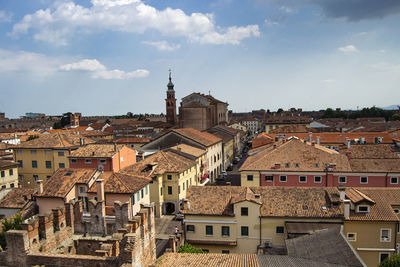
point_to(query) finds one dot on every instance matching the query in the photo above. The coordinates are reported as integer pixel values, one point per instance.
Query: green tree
(395, 117)
(393, 261)
(32, 137)
(280, 110)
(187, 248)
(11, 224)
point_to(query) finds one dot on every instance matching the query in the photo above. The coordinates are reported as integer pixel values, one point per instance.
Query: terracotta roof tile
(17, 198)
(304, 202)
(121, 183)
(208, 259)
(62, 181)
(371, 151)
(97, 150)
(385, 199)
(294, 152)
(191, 150)
(375, 165)
(5, 164)
(132, 140)
(62, 139)
(203, 138)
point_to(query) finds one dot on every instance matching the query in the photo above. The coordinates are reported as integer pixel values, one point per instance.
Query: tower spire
(169, 75)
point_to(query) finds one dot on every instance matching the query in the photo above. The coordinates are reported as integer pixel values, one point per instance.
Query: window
(133, 199)
(19, 151)
(48, 164)
(146, 190)
(169, 177)
(34, 164)
(82, 189)
(362, 209)
(297, 165)
(317, 179)
(48, 177)
(280, 229)
(35, 177)
(225, 230)
(190, 228)
(342, 179)
(249, 177)
(3, 173)
(383, 256)
(316, 165)
(244, 211)
(283, 178)
(103, 161)
(11, 172)
(303, 179)
(47, 152)
(364, 180)
(33, 152)
(88, 161)
(244, 231)
(61, 153)
(20, 164)
(73, 160)
(137, 196)
(179, 189)
(352, 236)
(209, 230)
(21, 178)
(225, 251)
(287, 165)
(169, 190)
(183, 186)
(11, 185)
(3, 186)
(269, 178)
(394, 180)
(61, 165)
(385, 235)
(397, 211)
(142, 193)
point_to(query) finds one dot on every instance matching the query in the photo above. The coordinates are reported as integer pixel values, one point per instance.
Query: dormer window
(297, 165)
(363, 209)
(316, 165)
(397, 211)
(287, 165)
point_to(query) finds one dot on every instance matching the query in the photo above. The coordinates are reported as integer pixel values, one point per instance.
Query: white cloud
(99, 71)
(58, 23)
(287, 9)
(328, 81)
(382, 51)
(348, 49)
(23, 61)
(386, 67)
(270, 22)
(86, 64)
(5, 16)
(163, 45)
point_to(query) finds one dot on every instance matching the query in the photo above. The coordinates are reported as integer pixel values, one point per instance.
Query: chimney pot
(100, 189)
(40, 186)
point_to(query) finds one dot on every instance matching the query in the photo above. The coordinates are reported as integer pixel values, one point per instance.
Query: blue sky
(105, 57)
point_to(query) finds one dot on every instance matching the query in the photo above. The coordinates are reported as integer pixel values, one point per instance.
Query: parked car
(230, 167)
(224, 173)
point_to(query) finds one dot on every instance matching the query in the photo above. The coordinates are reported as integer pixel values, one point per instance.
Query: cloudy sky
(108, 57)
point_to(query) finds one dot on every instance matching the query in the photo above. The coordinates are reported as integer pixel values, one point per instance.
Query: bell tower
(170, 102)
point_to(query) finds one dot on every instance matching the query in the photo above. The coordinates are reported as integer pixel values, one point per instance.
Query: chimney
(348, 143)
(283, 140)
(274, 146)
(188, 204)
(179, 149)
(312, 144)
(318, 140)
(100, 189)
(277, 165)
(310, 136)
(342, 192)
(81, 143)
(346, 212)
(40, 186)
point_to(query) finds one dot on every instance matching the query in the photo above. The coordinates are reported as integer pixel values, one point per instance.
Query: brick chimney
(40, 186)
(100, 189)
(342, 192)
(346, 209)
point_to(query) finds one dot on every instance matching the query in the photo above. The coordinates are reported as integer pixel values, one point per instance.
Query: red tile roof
(203, 138)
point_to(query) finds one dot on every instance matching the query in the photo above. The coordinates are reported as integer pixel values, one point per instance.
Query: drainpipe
(386, 179)
(395, 238)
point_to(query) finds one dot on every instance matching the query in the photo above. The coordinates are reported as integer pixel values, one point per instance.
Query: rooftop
(129, 140)
(275, 201)
(62, 181)
(203, 138)
(17, 198)
(6, 164)
(208, 259)
(121, 183)
(97, 150)
(62, 139)
(295, 155)
(194, 151)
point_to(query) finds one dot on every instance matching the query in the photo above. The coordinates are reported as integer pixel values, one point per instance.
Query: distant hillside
(392, 107)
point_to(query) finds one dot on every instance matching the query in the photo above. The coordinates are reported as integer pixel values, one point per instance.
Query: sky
(110, 57)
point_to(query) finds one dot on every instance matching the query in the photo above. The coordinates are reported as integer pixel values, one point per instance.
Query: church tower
(170, 102)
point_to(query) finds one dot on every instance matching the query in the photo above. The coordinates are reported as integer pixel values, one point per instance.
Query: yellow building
(280, 121)
(8, 174)
(39, 158)
(230, 219)
(372, 222)
(173, 171)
